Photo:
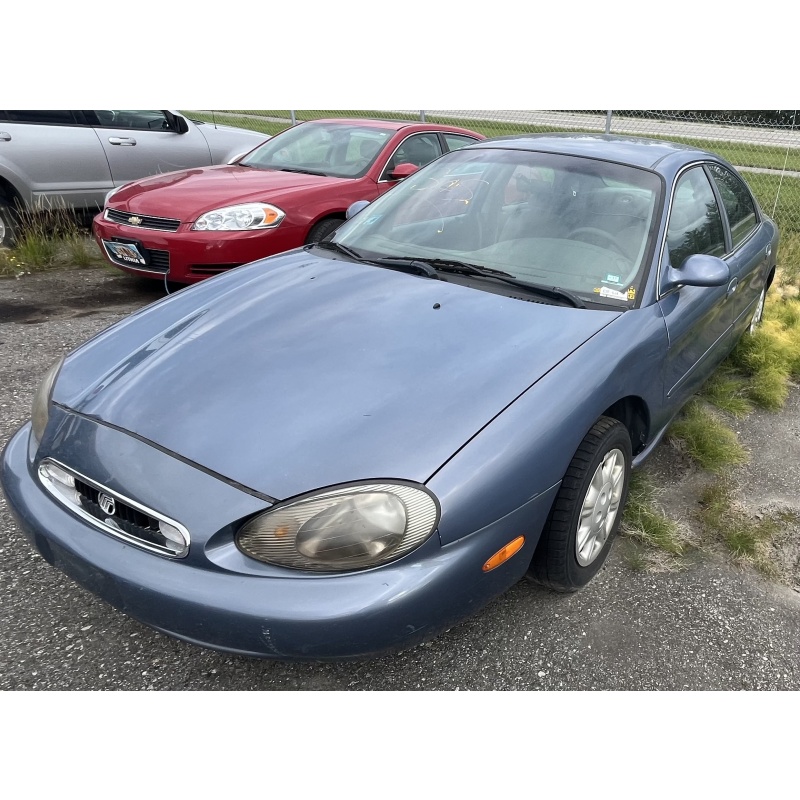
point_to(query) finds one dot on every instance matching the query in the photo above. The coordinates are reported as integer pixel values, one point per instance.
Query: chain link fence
(763, 145)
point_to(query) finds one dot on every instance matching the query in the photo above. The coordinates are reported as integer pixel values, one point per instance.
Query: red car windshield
(335, 149)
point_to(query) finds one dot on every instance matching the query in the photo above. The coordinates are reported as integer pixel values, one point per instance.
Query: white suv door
(139, 143)
(53, 158)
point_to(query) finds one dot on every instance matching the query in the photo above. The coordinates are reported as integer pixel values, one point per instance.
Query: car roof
(389, 124)
(636, 151)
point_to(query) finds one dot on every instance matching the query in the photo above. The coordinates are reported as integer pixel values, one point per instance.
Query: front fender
(525, 451)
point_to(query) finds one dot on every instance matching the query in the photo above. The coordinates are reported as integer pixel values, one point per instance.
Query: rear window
(40, 117)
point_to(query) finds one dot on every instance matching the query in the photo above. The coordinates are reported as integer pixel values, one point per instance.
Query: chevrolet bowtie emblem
(134, 220)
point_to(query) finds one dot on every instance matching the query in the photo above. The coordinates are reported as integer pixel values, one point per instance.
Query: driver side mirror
(697, 270)
(176, 123)
(402, 171)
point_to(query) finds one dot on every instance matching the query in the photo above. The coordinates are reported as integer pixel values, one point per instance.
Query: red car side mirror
(403, 171)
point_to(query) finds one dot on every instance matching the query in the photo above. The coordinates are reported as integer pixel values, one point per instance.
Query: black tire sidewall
(555, 562)
(11, 222)
(322, 229)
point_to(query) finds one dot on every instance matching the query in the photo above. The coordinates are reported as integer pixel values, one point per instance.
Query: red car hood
(188, 193)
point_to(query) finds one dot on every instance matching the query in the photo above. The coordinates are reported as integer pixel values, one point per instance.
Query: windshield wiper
(414, 265)
(338, 248)
(464, 268)
(453, 265)
(302, 171)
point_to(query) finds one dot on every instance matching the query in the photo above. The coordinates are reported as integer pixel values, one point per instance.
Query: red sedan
(292, 190)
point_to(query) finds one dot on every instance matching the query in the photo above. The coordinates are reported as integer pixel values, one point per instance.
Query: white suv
(73, 159)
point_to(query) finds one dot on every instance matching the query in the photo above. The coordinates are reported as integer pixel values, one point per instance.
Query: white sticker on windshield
(606, 292)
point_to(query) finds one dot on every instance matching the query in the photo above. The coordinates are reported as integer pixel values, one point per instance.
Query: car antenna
(783, 171)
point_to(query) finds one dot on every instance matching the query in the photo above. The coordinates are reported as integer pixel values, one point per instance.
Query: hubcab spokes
(2, 229)
(600, 507)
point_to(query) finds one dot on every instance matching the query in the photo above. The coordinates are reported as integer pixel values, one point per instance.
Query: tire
(758, 314)
(322, 229)
(594, 489)
(9, 225)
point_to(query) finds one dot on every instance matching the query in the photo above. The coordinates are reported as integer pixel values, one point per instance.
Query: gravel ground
(708, 625)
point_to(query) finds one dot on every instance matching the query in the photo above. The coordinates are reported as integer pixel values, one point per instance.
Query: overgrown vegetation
(759, 373)
(644, 522)
(707, 440)
(749, 539)
(51, 238)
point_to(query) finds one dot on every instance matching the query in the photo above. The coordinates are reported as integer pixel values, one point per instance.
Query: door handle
(125, 141)
(5, 137)
(732, 286)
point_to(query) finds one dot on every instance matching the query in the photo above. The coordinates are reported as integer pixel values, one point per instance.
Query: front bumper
(187, 256)
(218, 598)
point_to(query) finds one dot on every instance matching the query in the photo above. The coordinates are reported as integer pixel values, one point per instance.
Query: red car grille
(144, 221)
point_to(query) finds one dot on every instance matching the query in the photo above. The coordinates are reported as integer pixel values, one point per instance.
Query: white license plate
(124, 251)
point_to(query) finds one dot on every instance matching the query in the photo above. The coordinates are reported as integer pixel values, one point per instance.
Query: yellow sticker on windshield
(631, 293)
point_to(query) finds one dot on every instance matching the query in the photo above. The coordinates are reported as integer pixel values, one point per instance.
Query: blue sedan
(347, 448)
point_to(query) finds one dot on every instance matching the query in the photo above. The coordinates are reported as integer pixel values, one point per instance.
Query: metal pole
(294, 118)
(422, 116)
(608, 122)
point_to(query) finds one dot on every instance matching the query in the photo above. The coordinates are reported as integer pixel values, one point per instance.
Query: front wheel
(587, 511)
(9, 225)
(322, 229)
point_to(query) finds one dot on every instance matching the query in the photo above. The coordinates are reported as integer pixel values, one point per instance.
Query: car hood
(298, 372)
(188, 193)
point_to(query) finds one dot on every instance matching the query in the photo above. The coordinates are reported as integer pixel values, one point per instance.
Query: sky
(415, 54)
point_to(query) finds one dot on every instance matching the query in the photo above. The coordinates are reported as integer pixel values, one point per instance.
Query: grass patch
(711, 443)
(80, 250)
(267, 125)
(11, 266)
(770, 358)
(49, 239)
(749, 540)
(729, 392)
(643, 522)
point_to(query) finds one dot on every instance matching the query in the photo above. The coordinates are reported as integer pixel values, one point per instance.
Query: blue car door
(699, 319)
(750, 243)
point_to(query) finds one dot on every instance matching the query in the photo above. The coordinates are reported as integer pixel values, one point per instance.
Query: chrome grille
(112, 512)
(153, 223)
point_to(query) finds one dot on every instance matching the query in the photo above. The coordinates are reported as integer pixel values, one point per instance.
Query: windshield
(557, 221)
(340, 150)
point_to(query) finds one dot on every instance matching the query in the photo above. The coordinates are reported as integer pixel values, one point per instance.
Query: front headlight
(343, 529)
(40, 412)
(245, 217)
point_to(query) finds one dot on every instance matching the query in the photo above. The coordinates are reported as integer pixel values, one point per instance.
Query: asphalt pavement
(708, 625)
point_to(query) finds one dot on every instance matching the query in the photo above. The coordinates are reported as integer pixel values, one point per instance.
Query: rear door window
(42, 117)
(738, 202)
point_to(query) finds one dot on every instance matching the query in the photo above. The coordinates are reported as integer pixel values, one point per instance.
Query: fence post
(422, 116)
(608, 122)
(294, 118)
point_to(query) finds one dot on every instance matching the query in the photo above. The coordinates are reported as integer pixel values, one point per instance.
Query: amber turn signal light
(504, 553)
